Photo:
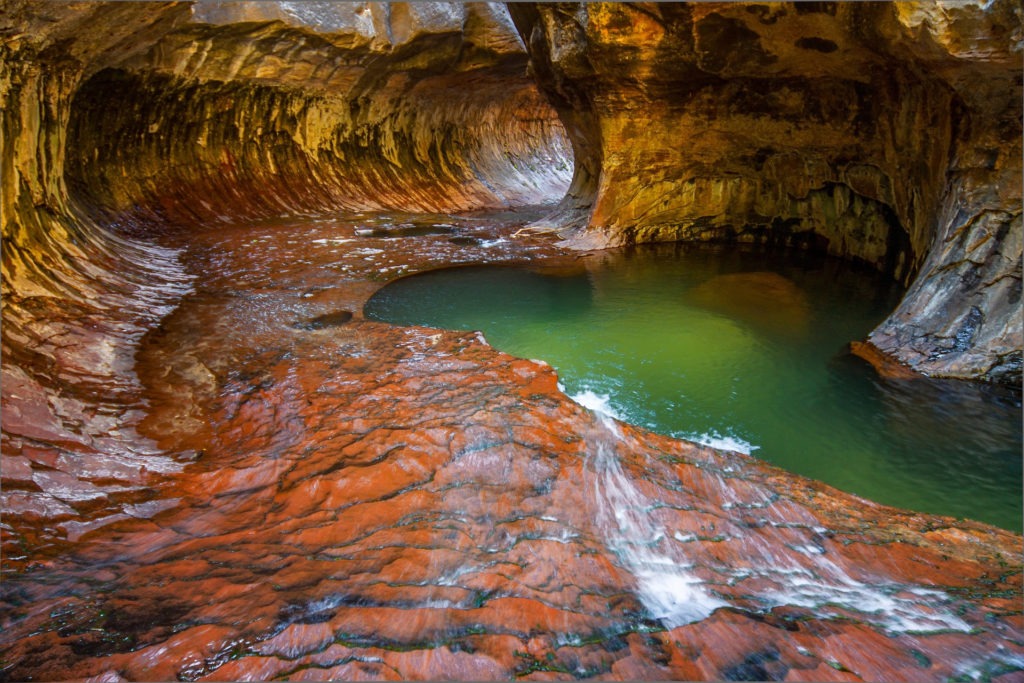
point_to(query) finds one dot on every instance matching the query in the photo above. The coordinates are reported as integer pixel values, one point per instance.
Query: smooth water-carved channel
(742, 350)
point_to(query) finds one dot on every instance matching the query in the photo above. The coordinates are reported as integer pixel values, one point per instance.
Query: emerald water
(742, 349)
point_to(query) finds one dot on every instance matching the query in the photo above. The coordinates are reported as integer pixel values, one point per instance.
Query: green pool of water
(743, 349)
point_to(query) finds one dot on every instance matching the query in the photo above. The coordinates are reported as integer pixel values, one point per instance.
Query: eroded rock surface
(136, 118)
(884, 132)
(376, 502)
(342, 499)
(294, 108)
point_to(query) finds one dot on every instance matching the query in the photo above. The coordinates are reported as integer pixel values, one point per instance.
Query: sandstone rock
(438, 509)
(130, 117)
(767, 301)
(886, 133)
(412, 503)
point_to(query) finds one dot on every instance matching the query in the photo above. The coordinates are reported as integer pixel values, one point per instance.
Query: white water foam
(599, 403)
(333, 240)
(602, 404)
(892, 607)
(715, 440)
(668, 590)
(675, 596)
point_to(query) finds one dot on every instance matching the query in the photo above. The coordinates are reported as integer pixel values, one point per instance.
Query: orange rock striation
(884, 132)
(209, 476)
(122, 120)
(372, 502)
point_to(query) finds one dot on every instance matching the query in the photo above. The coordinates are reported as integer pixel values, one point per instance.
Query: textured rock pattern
(130, 118)
(377, 502)
(77, 297)
(884, 132)
(260, 118)
(410, 503)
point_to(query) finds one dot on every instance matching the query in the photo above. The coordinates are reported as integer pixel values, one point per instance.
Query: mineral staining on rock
(130, 119)
(266, 118)
(886, 133)
(391, 502)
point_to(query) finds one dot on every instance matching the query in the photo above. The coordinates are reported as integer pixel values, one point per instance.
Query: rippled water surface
(743, 350)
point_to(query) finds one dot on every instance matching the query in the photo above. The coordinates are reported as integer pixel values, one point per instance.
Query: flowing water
(742, 349)
(362, 500)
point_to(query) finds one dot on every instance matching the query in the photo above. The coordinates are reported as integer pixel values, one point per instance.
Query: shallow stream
(360, 500)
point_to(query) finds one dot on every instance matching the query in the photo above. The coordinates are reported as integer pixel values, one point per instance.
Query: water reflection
(949, 436)
(372, 501)
(768, 301)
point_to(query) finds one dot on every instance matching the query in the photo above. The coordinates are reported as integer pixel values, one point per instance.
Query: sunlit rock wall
(309, 106)
(962, 316)
(76, 297)
(884, 132)
(122, 119)
(889, 133)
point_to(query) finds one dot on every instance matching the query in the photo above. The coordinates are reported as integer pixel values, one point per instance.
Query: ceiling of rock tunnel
(244, 118)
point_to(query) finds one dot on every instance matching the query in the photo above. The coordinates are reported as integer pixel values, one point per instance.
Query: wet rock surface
(367, 501)
(361, 501)
(131, 119)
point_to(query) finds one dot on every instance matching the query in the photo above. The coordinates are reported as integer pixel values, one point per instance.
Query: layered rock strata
(889, 133)
(427, 109)
(374, 502)
(129, 119)
(410, 502)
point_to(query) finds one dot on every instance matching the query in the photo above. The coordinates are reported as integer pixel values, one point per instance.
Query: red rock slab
(884, 365)
(315, 555)
(383, 502)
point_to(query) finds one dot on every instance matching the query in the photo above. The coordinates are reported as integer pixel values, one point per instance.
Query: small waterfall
(670, 592)
(828, 589)
(797, 575)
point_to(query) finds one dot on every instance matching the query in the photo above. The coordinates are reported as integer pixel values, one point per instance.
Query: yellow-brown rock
(194, 487)
(883, 132)
(121, 120)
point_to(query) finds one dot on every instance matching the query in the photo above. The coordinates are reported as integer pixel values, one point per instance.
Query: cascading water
(370, 501)
(670, 592)
(742, 349)
(794, 574)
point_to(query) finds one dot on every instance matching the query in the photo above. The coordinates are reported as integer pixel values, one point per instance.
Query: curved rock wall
(121, 119)
(260, 117)
(962, 316)
(76, 297)
(889, 133)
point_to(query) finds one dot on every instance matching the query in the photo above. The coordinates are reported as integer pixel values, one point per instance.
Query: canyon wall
(122, 120)
(883, 132)
(77, 296)
(324, 106)
(888, 133)
(422, 521)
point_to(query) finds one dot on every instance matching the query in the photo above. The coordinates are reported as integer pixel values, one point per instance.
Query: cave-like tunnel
(215, 466)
